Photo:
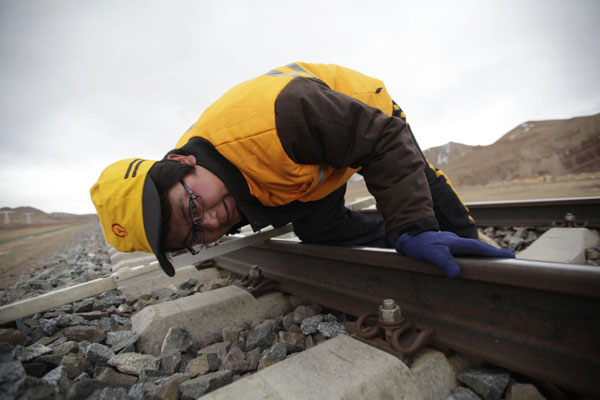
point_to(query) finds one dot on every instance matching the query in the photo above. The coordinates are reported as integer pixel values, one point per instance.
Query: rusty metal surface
(536, 318)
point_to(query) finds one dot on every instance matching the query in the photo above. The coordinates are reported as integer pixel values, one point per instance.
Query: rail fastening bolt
(389, 313)
(570, 219)
(255, 272)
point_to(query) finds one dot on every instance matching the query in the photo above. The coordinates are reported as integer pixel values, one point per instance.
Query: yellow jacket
(298, 132)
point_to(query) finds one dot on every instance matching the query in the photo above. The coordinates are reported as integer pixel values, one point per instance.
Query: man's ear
(189, 160)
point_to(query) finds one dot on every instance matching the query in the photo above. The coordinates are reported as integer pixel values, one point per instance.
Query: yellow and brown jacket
(297, 133)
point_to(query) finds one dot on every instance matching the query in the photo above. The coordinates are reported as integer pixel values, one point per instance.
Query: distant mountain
(442, 155)
(23, 216)
(534, 148)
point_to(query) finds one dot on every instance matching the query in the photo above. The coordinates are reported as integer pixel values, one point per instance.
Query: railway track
(568, 211)
(539, 319)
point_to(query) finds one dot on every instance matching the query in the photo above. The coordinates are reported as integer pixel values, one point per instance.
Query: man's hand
(439, 248)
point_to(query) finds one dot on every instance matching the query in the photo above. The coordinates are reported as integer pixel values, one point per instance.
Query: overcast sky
(88, 82)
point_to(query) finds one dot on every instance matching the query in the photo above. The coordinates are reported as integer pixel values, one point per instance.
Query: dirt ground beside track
(509, 191)
(541, 190)
(28, 252)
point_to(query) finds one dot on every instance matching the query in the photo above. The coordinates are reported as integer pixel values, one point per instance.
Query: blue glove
(438, 248)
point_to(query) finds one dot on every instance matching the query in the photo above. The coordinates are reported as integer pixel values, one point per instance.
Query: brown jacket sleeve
(317, 125)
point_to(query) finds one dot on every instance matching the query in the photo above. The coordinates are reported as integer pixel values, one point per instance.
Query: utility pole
(6, 216)
(27, 217)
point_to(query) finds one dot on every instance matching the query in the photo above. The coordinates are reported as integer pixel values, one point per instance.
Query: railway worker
(278, 149)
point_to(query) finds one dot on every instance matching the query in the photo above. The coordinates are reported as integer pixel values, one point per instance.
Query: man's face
(220, 211)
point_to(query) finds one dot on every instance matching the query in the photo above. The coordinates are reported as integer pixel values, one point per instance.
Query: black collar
(254, 213)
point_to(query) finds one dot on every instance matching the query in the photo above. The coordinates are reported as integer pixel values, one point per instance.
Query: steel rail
(541, 212)
(540, 319)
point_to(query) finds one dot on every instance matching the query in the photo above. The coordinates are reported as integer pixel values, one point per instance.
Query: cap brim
(153, 224)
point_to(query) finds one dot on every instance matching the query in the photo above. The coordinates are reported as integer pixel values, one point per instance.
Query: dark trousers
(328, 221)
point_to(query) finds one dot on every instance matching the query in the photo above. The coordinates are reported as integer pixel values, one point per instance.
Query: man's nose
(211, 219)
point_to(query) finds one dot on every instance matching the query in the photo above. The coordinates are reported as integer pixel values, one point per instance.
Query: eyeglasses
(196, 209)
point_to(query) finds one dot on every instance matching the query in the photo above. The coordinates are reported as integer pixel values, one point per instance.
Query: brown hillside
(29, 216)
(536, 148)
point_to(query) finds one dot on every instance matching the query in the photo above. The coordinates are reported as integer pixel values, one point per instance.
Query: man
(278, 149)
